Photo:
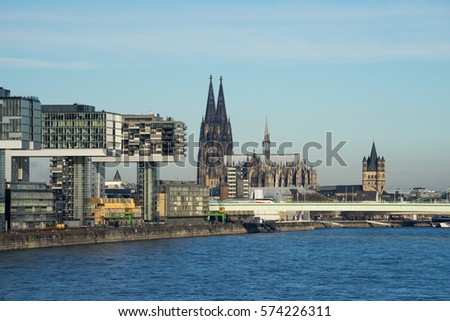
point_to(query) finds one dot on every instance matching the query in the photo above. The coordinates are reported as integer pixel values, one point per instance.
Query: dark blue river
(334, 264)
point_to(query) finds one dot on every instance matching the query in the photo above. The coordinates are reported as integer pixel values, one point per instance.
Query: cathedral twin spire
(218, 115)
(216, 139)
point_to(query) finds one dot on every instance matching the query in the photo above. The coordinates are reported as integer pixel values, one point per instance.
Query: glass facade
(80, 127)
(75, 180)
(25, 124)
(20, 128)
(31, 205)
(184, 199)
(148, 189)
(20, 120)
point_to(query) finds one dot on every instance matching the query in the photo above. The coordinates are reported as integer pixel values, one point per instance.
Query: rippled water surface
(332, 264)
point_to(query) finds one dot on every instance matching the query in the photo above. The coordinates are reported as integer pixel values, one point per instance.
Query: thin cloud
(305, 33)
(39, 63)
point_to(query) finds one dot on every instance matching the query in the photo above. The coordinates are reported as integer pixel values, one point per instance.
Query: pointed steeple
(373, 154)
(221, 116)
(266, 131)
(210, 104)
(372, 161)
(117, 177)
(266, 141)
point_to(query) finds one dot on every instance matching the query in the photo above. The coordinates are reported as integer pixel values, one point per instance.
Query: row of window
(374, 176)
(73, 116)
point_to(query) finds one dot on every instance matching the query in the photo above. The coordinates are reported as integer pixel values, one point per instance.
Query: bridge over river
(393, 208)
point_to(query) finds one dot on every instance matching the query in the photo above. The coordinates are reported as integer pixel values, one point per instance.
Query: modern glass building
(76, 179)
(20, 129)
(178, 198)
(79, 141)
(29, 205)
(20, 121)
(80, 127)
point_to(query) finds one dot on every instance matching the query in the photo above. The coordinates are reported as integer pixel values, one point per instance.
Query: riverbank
(20, 240)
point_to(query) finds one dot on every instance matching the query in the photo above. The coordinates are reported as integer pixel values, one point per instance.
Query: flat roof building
(20, 129)
(81, 127)
(76, 179)
(145, 135)
(180, 198)
(148, 140)
(29, 206)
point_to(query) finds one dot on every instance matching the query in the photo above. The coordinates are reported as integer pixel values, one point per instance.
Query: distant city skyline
(365, 71)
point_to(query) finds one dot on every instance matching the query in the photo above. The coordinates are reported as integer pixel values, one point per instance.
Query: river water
(322, 265)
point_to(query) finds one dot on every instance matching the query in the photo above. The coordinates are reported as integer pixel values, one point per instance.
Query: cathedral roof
(275, 159)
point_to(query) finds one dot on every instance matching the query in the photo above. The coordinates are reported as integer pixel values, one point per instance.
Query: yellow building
(115, 211)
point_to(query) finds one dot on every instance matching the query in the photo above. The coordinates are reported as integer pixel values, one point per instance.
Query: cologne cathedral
(216, 141)
(216, 158)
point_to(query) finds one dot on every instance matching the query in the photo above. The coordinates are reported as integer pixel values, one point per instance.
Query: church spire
(266, 131)
(266, 141)
(210, 104)
(372, 161)
(117, 177)
(221, 116)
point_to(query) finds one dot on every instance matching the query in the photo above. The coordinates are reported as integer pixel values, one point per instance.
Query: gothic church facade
(215, 155)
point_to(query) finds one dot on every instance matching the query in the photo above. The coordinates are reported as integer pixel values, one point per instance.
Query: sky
(364, 70)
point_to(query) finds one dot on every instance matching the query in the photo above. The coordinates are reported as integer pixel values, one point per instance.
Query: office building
(76, 179)
(179, 198)
(20, 129)
(81, 127)
(29, 206)
(79, 141)
(20, 120)
(237, 183)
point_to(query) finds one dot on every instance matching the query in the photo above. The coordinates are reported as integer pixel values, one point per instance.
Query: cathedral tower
(374, 174)
(216, 140)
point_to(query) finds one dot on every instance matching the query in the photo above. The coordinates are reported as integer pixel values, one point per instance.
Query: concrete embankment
(51, 238)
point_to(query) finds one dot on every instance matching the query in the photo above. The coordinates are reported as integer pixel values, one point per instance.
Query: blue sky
(364, 70)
